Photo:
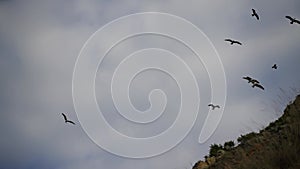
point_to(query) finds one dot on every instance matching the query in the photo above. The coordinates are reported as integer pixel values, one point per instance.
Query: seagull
(292, 20)
(66, 120)
(233, 41)
(250, 80)
(258, 85)
(213, 106)
(274, 66)
(247, 78)
(254, 81)
(254, 13)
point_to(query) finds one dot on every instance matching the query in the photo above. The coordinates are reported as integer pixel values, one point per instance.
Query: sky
(41, 41)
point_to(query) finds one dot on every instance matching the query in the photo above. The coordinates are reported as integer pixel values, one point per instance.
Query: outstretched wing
(255, 14)
(228, 40)
(238, 42)
(65, 117)
(69, 121)
(289, 17)
(247, 78)
(259, 86)
(217, 106)
(296, 21)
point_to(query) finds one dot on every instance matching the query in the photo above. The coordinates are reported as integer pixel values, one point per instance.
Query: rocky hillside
(275, 147)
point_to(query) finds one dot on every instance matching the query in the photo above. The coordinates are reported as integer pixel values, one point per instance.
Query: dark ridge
(275, 147)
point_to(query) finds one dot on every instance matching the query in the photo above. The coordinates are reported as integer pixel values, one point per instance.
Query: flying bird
(274, 66)
(258, 85)
(66, 119)
(254, 81)
(254, 13)
(247, 78)
(250, 80)
(213, 106)
(292, 20)
(233, 41)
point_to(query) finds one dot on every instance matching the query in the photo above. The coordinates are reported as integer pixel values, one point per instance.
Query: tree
(214, 148)
(228, 145)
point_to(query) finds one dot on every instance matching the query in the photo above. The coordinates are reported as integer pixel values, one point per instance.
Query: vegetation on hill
(275, 147)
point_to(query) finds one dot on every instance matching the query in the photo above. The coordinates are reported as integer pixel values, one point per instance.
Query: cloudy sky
(39, 45)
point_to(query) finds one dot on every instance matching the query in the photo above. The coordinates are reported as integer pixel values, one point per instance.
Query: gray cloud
(39, 45)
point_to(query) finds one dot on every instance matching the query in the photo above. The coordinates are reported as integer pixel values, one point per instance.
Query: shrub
(214, 148)
(228, 145)
(244, 138)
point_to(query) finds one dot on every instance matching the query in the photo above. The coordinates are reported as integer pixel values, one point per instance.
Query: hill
(275, 147)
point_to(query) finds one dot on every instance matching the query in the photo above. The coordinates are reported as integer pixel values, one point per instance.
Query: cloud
(41, 41)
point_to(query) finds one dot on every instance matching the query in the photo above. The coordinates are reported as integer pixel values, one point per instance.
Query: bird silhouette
(213, 106)
(250, 80)
(292, 20)
(66, 119)
(254, 13)
(254, 81)
(247, 78)
(258, 85)
(274, 66)
(233, 41)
